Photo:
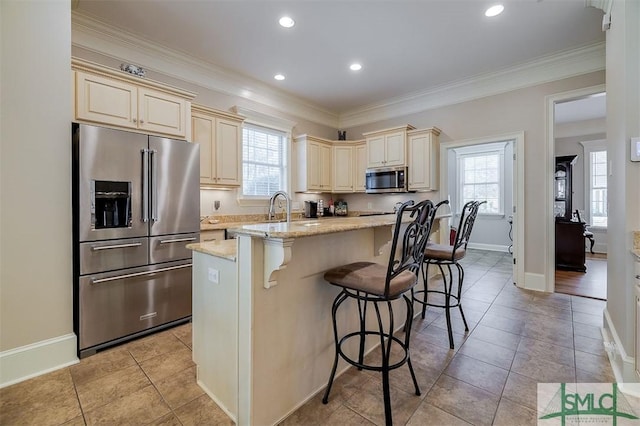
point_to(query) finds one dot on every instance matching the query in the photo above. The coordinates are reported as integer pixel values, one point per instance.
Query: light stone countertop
(307, 228)
(226, 249)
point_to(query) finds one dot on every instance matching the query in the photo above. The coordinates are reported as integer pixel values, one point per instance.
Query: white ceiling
(405, 47)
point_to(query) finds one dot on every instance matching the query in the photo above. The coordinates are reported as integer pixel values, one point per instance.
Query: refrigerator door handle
(177, 240)
(154, 186)
(145, 185)
(139, 274)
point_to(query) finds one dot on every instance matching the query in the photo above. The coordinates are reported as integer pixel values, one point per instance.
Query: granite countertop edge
(224, 249)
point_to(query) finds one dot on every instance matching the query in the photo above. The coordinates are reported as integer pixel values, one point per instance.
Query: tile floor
(517, 338)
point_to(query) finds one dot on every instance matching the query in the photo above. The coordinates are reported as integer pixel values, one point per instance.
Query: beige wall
(35, 172)
(510, 112)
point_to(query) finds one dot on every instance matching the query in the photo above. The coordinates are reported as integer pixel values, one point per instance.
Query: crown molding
(542, 70)
(95, 36)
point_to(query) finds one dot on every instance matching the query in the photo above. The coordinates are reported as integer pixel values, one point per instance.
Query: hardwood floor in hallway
(591, 284)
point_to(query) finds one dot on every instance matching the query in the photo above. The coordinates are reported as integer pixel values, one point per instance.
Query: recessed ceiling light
(355, 67)
(287, 22)
(279, 77)
(494, 10)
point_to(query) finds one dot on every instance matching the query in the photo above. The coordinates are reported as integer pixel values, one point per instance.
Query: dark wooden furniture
(563, 188)
(570, 253)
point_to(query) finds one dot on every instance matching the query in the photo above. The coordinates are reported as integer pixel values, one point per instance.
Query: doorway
(514, 209)
(576, 123)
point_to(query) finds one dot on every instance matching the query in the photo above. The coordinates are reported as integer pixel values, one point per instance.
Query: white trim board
(623, 365)
(489, 247)
(26, 362)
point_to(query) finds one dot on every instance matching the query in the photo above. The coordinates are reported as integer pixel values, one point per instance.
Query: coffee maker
(310, 209)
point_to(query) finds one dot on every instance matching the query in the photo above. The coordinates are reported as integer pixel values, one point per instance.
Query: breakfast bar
(262, 333)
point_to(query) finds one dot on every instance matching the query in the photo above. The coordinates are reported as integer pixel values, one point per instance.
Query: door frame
(550, 235)
(518, 190)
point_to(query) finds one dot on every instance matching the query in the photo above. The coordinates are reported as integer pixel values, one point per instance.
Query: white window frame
(590, 147)
(497, 148)
(259, 119)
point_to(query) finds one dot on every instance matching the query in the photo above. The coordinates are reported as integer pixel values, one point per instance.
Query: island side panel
(292, 336)
(215, 329)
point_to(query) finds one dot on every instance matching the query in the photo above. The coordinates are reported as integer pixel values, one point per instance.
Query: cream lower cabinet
(220, 137)
(315, 169)
(212, 235)
(387, 148)
(423, 159)
(114, 98)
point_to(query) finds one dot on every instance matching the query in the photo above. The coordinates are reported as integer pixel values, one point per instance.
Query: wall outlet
(213, 275)
(369, 206)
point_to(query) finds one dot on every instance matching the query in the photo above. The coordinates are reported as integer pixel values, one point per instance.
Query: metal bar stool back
(444, 256)
(373, 283)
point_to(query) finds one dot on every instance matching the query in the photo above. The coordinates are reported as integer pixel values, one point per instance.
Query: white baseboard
(489, 247)
(26, 362)
(623, 365)
(534, 282)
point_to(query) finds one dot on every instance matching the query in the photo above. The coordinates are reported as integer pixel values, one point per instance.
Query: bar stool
(447, 255)
(369, 282)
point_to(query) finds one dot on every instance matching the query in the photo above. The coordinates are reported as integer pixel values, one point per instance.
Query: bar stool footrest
(368, 366)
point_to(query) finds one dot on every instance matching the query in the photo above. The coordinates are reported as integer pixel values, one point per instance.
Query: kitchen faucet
(272, 212)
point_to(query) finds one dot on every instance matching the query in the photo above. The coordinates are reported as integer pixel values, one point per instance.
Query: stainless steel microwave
(386, 179)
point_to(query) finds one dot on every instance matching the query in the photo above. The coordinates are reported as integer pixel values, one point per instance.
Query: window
(595, 154)
(481, 177)
(264, 161)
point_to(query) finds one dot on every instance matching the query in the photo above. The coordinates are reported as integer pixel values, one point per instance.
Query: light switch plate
(635, 149)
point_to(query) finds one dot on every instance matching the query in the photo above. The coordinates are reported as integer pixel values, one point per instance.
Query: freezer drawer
(114, 305)
(171, 247)
(114, 254)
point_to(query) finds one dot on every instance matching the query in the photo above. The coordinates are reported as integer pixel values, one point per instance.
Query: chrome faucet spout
(272, 200)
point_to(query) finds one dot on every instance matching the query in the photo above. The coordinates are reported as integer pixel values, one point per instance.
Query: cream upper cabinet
(359, 166)
(343, 165)
(423, 159)
(314, 157)
(220, 137)
(387, 148)
(117, 99)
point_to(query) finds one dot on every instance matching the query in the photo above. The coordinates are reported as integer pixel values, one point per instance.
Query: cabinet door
(360, 168)
(228, 148)
(376, 151)
(421, 162)
(215, 235)
(162, 113)
(103, 100)
(394, 149)
(342, 169)
(314, 167)
(325, 167)
(202, 128)
(638, 336)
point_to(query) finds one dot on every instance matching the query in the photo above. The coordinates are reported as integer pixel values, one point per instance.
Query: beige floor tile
(551, 330)
(46, 400)
(141, 407)
(179, 388)
(487, 352)
(589, 345)
(509, 414)
(430, 415)
(595, 320)
(154, 345)
(522, 390)
(166, 420)
(496, 336)
(369, 402)
(477, 373)
(101, 364)
(350, 382)
(428, 356)
(546, 350)
(183, 333)
(593, 363)
(478, 407)
(76, 421)
(587, 330)
(514, 326)
(440, 337)
(314, 412)
(106, 389)
(344, 416)
(202, 411)
(603, 376)
(542, 370)
(167, 365)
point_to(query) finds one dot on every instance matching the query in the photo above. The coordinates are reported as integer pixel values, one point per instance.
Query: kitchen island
(262, 333)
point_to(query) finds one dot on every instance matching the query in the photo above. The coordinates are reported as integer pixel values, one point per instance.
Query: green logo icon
(588, 404)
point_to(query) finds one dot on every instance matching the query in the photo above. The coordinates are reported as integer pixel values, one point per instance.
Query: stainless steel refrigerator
(136, 205)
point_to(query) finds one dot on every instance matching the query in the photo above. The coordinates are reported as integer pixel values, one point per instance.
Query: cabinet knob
(141, 121)
(135, 121)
